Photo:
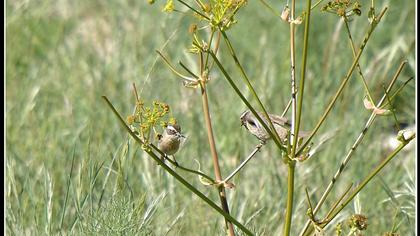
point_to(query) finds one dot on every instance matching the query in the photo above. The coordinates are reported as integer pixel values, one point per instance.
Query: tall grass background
(71, 168)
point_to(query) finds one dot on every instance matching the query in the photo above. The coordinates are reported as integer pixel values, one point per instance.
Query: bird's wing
(279, 120)
(304, 134)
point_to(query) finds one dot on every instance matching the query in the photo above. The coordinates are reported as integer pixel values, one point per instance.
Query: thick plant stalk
(296, 109)
(217, 173)
(291, 163)
(290, 191)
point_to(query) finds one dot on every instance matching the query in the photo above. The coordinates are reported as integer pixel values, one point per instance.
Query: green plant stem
(397, 91)
(394, 225)
(369, 178)
(173, 68)
(257, 148)
(359, 69)
(316, 4)
(353, 149)
(292, 70)
(176, 175)
(334, 206)
(391, 109)
(216, 48)
(290, 191)
(344, 82)
(308, 199)
(68, 188)
(200, 4)
(286, 108)
(188, 70)
(182, 167)
(251, 88)
(217, 173)
(210, 44)
(302, 79)
(291, 163)
(92, 181)
(194, 10)
(242, 97)
(270, 8)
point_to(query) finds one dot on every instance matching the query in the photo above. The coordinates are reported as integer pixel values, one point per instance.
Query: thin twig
(359, 69)
(316, 4)
(391, 108)
(210, 43)
(270, 8)
(309, 203)
(295, 131)
(200, 4)
(188, 70)
(135, 92)
(216, 49)
(68, 188)
(287, 108)
(397, 91)
(194, 10)
(257, 148)
(177, 165)
(338, 201)
(173, 68)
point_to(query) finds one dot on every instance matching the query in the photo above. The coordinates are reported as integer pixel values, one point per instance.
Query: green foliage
(119, 216)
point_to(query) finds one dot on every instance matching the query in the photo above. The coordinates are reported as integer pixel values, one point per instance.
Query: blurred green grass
(62, 56)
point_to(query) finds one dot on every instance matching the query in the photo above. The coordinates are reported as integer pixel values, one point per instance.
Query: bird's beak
(181, 135)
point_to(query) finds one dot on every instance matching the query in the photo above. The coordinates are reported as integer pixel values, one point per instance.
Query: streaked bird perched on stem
(281, 124)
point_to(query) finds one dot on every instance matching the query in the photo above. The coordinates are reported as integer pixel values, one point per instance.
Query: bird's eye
(252, 123)
(171, 132)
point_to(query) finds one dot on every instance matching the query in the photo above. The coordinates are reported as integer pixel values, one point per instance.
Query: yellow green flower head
(169, 6)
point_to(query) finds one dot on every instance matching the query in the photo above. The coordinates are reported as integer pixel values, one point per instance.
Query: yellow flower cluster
(343, 8)
(146, 118)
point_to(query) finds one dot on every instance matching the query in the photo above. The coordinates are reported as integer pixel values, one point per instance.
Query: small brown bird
(170, 141)
(281, 124)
